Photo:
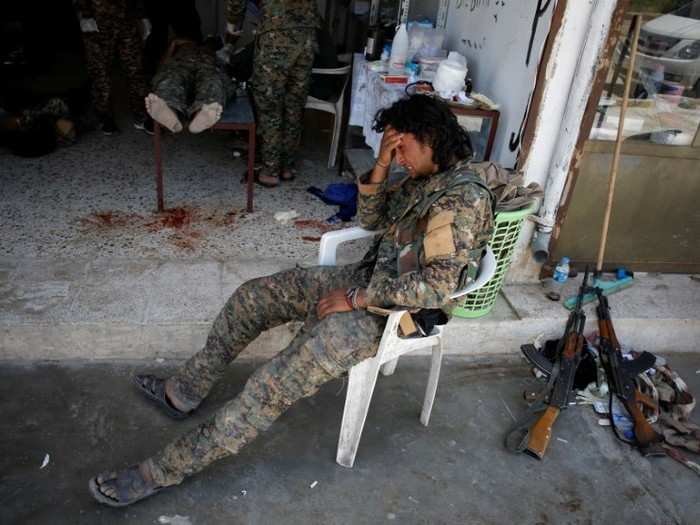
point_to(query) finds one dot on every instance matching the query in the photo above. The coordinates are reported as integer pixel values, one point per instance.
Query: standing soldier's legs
(130, 50)
(297, 89)
(256, 306)
(270, 69)
(331, 347)
(99, 52)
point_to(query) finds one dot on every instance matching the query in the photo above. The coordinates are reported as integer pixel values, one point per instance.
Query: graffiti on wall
(503, 39)
(540, 11)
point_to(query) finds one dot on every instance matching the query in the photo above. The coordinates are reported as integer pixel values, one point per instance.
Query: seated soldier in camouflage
(189, 85)
(436, 222)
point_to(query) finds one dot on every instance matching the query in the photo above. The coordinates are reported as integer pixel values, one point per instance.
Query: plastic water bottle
(561, 272)
(556, 283)
(399, 49)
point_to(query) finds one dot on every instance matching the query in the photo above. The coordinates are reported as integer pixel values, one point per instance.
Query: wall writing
(502, 41)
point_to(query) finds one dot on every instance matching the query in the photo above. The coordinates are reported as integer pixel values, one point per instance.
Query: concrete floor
(87, 270)
(97, 199)
(89, 417)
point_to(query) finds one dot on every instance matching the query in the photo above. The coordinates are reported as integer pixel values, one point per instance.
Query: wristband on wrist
(351, 297)
(385, 166)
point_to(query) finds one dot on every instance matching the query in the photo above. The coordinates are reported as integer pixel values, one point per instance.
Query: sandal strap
(154, 389)
(129, 485)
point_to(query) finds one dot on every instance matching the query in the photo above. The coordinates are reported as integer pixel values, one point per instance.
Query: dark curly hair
(433, 124)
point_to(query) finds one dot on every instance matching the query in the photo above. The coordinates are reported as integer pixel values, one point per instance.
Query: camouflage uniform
(54, 108)
(284, 56)
(191, 74)
(117, 21)
(450, 231)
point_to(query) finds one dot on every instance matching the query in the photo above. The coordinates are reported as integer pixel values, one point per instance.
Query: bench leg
(159, 167)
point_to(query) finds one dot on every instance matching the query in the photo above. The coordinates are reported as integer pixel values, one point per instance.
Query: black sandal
(154, 389)
(128, 484)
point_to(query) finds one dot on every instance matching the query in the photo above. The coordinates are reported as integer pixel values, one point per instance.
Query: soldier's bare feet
(119, 489)
(206, 117)
(161, 113)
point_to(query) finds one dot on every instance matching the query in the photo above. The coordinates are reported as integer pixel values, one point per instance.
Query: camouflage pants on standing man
(280, 85)
(116, 37)
(322, 350)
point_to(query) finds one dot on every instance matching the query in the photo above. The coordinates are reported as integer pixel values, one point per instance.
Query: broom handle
(637, 21)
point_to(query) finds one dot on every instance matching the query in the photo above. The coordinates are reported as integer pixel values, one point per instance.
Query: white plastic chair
(335, 108)
(363, 376)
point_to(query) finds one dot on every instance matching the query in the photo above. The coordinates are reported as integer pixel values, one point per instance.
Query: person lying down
(189, 86)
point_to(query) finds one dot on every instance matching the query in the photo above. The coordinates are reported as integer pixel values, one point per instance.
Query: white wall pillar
(568, 82)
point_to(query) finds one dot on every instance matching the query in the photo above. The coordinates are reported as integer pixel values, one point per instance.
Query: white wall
(495, 36)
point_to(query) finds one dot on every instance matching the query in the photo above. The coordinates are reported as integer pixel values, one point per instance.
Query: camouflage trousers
(54, 107)
(116, 37)
(322, 350)
(191, 79)
(280, 84)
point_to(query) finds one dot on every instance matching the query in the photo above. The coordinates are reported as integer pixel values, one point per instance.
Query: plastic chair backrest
(331, 240)
(487, 269)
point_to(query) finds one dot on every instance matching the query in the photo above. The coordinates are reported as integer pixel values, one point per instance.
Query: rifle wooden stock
(644, 399)
(606, 331)
(541, 432)
(643, 431)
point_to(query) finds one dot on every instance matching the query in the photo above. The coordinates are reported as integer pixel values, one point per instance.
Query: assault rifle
(621, 374)
(569, 356)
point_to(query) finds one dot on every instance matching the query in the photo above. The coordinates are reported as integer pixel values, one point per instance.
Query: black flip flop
(154, 389)
(129, 484)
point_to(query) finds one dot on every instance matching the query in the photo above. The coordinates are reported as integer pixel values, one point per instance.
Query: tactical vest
(410, 235)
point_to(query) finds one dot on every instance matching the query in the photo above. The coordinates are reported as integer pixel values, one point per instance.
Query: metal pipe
(540, 244)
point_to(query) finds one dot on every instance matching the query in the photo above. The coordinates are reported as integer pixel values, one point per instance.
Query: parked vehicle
(669, 50)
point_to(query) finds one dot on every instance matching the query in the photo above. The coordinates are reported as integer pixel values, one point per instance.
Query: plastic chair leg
(362, 379)
(389, 367)
(431, 388)
(337, 123)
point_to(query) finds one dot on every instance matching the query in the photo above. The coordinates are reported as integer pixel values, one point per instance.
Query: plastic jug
(399, 49)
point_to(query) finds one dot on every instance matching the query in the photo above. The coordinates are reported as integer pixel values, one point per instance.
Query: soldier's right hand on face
(390, 141)
(89, 25)
(387, 151)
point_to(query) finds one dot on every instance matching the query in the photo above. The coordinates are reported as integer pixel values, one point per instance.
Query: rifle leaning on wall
(621, 375)
(534, 437)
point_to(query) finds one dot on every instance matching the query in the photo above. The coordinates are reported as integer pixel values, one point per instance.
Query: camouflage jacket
(277, 15)
(424, 256)
(108, 10)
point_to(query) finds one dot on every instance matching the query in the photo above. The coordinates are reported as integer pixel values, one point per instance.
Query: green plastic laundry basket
(507, 227)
